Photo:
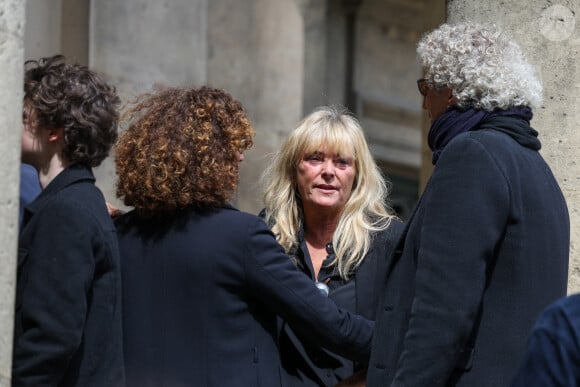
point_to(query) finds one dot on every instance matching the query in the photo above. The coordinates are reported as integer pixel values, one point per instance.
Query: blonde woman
(326, 202)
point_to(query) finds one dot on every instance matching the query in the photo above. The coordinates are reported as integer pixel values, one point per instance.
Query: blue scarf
(456, 120)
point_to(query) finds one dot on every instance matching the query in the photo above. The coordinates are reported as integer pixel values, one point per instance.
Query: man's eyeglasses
(422, 86)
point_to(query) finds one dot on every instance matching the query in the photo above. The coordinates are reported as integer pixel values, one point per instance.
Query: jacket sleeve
(552, 356)
(294, 297)
(466, 211)
(54, 285)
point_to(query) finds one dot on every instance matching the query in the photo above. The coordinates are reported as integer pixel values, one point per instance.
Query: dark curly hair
(73, 97)
(181, 149)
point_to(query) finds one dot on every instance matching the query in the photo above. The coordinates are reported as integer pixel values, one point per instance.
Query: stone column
(314, 16)
(11, 63)
(74, 34)
(548, 35)
(42, 32)
(433, 18)
(141, 43)
(256, 52)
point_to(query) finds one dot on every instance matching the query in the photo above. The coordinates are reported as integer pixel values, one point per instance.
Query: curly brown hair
(181, 148)
(75, 98)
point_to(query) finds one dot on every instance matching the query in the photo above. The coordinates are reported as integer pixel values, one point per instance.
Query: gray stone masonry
(11, 60)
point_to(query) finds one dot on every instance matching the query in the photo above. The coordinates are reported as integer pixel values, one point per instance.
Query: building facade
(282, 58)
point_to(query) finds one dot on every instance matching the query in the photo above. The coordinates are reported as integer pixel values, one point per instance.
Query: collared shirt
(310, 365)
(341, 291)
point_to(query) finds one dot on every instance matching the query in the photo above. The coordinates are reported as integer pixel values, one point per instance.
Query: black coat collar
(70, 175)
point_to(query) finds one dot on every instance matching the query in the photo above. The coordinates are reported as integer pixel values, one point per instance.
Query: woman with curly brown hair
(203, 282)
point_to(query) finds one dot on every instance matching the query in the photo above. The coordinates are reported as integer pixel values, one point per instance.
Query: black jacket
(484, 252)
(201, 291)
(552, 356)
(305, 363)
(67, 328)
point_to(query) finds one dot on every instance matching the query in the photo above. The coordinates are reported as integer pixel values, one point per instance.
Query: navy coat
(484, 252)
(552, 357)
(201, 291)
(67, 329)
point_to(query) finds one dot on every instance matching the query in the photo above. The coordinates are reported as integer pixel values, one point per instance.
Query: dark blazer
(201, 291)
(67, 328)
(371, 272)
(552, 357)
(484, 252)
(305, 363)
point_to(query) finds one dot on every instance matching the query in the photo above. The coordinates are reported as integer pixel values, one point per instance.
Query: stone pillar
(42, 32)
(547, 33)
(141, 43)
(314, 15)
(74, 34)
(256, 52)
(432, 19)
(11, 63)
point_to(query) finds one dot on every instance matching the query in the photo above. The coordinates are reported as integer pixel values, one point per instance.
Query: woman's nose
(328, 168)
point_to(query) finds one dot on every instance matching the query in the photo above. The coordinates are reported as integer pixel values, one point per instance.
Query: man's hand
(114, 211)
(358, 379)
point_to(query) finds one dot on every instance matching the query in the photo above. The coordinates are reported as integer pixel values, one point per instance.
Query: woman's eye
(342, 163)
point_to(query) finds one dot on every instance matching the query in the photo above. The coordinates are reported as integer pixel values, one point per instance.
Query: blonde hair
(366, 210)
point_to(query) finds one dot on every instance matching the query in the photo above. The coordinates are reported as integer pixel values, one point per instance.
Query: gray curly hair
(481, 65)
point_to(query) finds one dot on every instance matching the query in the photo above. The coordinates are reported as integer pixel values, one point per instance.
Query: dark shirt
(305, 363)
(308, 364)
(552, 358)
(341, 291)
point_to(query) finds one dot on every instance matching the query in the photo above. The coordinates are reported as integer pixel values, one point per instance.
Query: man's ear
(451, 100)
(55, 134)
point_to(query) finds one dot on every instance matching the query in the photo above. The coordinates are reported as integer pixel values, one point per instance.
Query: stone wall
(11, 59)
